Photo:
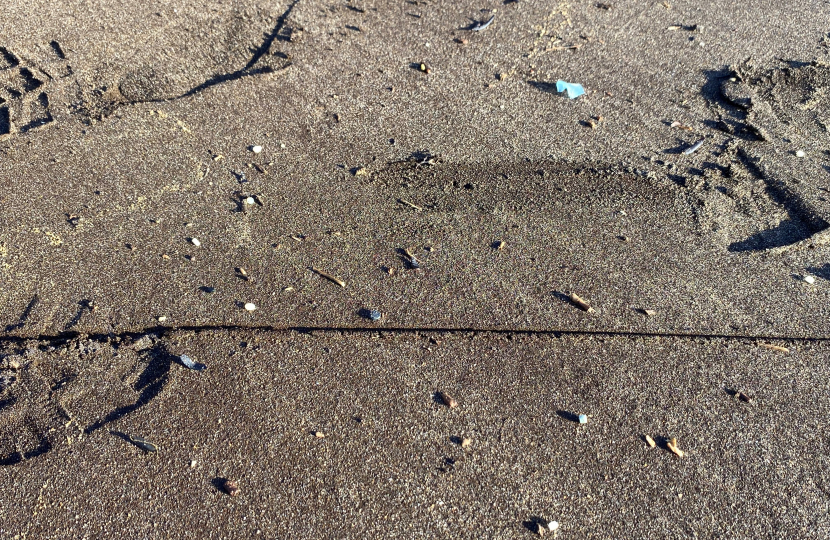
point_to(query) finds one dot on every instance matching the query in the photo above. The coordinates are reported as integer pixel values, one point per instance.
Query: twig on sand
(329, 277)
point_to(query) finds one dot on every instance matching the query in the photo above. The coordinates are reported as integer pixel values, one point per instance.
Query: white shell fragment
(195, 242)
(809, 279)
(256, 149)
(190, 364)
(800, 153)
(250, 306)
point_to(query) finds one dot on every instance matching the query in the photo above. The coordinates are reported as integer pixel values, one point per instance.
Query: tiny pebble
(553, 525)
(231, 488)
(195, 242)
(192, 463)
(583, 419)
(810, 279)
(319, 434)
(256, 149)
(466, 443)
(282, 145)
(800, 153)
(250, 306)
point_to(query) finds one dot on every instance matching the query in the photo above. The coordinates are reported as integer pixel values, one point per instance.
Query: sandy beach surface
(338, 211)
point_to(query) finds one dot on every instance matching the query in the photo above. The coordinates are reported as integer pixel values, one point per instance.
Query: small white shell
(256, 149)
(195, 242)
(250, 306)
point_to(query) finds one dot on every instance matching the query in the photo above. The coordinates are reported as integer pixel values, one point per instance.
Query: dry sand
(126, 132)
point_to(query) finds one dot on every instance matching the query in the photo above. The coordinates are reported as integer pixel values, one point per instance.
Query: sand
(126, 132)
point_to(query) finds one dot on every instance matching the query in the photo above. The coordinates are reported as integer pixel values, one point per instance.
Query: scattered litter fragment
(694, 147)
(500, 245)
(195, 242)
(424, 68)
(231, 488)
(650, 441)
(580, 303)
(672, 445)
(161, 319)
(553, 526)
(677, 124)
(809, 279)
(538, 528)
(256, 149)
(329, 277)
(448, 400)
(800, 153)
(583, 419)
(242, 273)
(190, 364)
(374, 315)
(648, 312)
(743, 397)
(250, 306)
(465, 443)
(250, 200)
(572, 89)
(144, 444)
(775, 347)
(319, 434)
(479, 26)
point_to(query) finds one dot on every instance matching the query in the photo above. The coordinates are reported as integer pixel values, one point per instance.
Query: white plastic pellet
(256, 149)
(195, 242)
(250, 306)
(800, 153)
(810, 279)
(553, 525)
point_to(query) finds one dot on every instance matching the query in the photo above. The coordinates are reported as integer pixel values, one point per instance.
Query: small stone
(192, 463)
(809, 279)
(583, 419)
(282, 145)
(465, 443)
(319, 434)
(256, 149)
(800, 153)
(250, 306)
(195, 242)
(231, 488)
(448, 400)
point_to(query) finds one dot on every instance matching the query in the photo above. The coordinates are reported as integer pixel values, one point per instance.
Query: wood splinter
(580, 303)
(772, 347)
(329, 277)
(409, 204)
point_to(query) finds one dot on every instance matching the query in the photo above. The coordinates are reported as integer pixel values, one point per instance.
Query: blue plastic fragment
(374, 315)
(583, 419)
(574, 90)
